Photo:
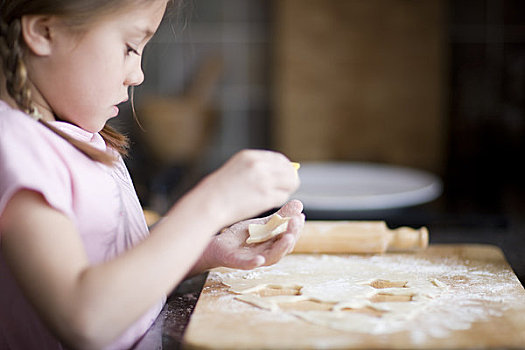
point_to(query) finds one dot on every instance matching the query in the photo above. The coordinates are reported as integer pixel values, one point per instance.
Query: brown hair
(78, 14)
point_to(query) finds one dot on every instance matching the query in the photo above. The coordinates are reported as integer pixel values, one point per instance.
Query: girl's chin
(95, 128)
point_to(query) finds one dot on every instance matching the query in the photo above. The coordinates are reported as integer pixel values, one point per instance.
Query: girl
(78, 267)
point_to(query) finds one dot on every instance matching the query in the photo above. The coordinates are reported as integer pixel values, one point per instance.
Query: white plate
(364, 186)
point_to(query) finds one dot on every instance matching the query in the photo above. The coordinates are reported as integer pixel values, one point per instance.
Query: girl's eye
(130, 50)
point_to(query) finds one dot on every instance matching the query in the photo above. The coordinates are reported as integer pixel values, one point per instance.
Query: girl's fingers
(291, 208)
(251, 263)
(267, 253)
(285, 243)
(278, 249)
(295, 225)
(259, 260)
(244, 260)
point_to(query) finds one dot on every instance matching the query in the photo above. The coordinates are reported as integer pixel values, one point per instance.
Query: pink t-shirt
(100, 200)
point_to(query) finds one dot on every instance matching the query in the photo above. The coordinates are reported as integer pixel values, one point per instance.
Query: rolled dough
(369, 294)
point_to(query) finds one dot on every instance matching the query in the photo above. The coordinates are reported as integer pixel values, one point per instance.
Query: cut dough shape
(263, 232)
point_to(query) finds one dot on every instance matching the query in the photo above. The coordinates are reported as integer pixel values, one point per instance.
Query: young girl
(78, 267)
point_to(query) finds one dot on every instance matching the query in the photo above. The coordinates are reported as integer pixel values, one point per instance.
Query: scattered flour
(444, 294)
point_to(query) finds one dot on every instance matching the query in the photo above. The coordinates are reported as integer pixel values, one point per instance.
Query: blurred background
(432, 85)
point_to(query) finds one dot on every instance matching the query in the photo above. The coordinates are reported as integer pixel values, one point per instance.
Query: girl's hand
(250, 183)
(229, 248)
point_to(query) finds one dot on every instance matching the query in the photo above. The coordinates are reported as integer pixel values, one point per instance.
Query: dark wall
(487, 109)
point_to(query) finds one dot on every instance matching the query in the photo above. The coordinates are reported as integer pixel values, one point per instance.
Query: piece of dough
(263, 232)
(371, 294)
(296, 165)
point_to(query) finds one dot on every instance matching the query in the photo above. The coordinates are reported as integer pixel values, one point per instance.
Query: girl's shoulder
(18, 128)
(30, 157)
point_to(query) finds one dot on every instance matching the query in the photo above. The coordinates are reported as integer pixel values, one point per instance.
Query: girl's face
(85, 76)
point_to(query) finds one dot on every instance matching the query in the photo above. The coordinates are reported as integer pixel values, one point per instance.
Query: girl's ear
(36, 31)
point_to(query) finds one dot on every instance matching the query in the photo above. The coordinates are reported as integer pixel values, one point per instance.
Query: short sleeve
(30, 159)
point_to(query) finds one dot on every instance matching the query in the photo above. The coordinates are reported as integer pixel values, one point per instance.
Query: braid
(17, 85)
(13, 67)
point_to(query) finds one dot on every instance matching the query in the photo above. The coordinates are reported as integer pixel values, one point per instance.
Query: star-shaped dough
(263, 232)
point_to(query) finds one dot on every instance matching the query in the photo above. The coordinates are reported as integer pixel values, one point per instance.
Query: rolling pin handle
(406, 238)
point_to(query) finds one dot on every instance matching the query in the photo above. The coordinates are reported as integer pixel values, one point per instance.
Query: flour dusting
(424, 297)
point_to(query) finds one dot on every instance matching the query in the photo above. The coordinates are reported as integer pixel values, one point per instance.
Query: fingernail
(259, 260)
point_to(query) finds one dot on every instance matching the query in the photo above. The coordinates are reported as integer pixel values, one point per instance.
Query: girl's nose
(135, 76)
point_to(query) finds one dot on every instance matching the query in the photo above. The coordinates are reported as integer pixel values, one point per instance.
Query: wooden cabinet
(361, 81)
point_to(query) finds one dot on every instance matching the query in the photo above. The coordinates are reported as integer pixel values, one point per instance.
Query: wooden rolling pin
(338, 237)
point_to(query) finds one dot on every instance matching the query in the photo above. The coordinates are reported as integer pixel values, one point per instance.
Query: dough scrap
(263, 232)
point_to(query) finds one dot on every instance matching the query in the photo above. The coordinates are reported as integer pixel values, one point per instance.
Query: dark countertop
(168, 329)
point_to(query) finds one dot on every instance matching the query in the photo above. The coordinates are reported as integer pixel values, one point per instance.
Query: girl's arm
(89, 306)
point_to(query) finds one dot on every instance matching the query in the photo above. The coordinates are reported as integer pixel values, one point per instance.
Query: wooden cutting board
(480, 304)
